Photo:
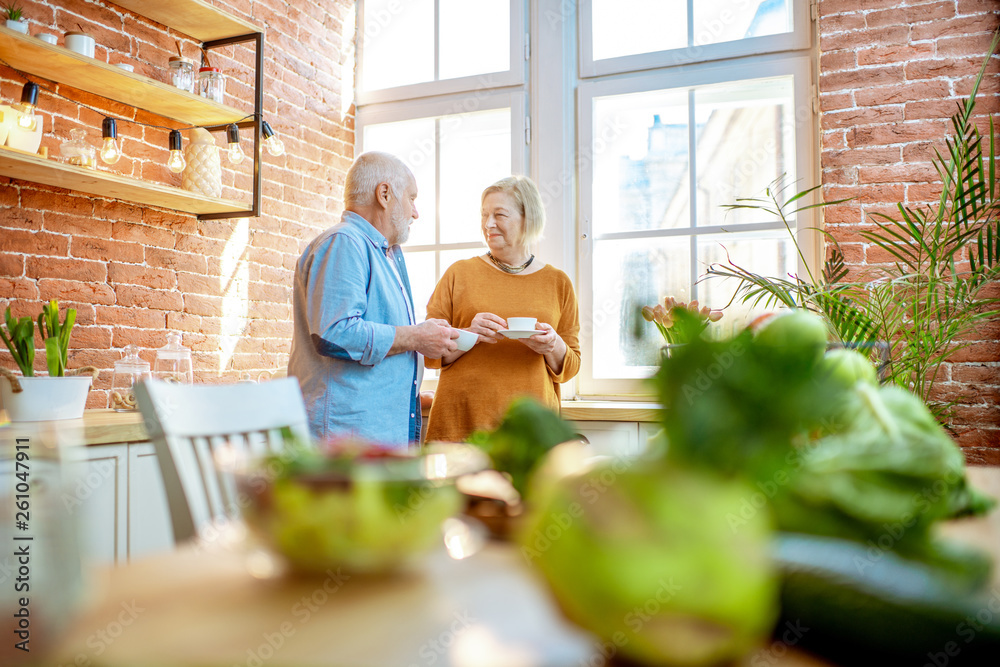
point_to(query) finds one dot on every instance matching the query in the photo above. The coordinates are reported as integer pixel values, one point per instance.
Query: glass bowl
(360, 508)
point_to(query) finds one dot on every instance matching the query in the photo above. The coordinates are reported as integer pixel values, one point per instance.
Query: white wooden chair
(191, 426)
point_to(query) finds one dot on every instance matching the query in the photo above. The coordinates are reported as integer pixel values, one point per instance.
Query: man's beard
(402, 227)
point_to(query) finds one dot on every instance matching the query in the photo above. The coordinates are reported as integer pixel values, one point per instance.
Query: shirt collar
(366, 228)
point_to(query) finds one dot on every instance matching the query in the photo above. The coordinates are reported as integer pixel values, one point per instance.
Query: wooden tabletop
(201, 605)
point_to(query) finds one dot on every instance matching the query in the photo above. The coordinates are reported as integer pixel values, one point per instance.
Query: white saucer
(519, 334)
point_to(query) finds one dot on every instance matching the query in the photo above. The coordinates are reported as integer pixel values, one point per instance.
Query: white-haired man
(356, 346)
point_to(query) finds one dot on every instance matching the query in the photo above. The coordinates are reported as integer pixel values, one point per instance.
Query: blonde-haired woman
(479, 294)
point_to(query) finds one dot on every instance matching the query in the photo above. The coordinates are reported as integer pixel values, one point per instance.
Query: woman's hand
(548, 344)
(487, 325)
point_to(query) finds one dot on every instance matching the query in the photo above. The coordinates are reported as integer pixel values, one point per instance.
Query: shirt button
(412, 415)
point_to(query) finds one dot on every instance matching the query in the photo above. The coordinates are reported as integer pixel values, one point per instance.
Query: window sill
(610, 411)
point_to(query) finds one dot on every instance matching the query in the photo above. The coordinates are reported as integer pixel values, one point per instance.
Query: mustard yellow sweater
(475, 390)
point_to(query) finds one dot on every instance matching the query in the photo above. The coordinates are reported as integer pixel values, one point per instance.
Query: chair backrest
(192, 426)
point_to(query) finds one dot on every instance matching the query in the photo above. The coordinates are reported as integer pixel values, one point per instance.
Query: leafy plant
(13, 12)
(56, 336)
(20, 340)
(928, 301)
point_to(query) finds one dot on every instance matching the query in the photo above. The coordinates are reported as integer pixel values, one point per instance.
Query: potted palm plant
(14, 15)
(60, 395)
(946, 259)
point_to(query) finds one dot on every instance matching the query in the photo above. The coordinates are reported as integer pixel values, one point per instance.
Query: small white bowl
(466, 340)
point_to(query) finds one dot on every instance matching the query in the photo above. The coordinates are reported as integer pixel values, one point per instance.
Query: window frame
(797, 39)
(800, 67)
(514, 76)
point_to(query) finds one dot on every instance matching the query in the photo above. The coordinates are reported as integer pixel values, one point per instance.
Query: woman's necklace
(507, 268)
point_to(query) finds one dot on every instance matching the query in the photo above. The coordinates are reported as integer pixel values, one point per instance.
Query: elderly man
(356, 347)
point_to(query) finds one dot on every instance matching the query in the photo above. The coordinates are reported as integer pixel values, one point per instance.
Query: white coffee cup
(47, 38)
(521, 323)
(466, 339)
(80, 43)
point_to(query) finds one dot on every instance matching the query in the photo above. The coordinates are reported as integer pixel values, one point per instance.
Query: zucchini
(858, 609)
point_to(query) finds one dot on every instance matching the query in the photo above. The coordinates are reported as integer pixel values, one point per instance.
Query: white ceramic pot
(19, 26)
(80, 43)
(46, 398)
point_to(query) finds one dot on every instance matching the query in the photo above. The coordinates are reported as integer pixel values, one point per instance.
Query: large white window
(638, 119)
(706, 103)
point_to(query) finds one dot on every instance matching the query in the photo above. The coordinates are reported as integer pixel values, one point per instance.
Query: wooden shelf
(191, 17)
(59, 64)
(35, 168)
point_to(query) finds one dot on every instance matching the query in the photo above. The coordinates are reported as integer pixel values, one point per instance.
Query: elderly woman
(479, 294)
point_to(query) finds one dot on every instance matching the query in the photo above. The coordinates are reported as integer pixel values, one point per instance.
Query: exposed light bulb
(29, 99)
(233, 138)
(272, 143)
(26, 119)
(176, 162)
(111, 152)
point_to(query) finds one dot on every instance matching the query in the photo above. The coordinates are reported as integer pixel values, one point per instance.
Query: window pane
(627, 276)
(758, 117)
(420, 268)
(627, 27)
(640, 156)
(724, 20)
(413, 142)
(474, 38)
(769, 253)
(397, 50)
(475, 152)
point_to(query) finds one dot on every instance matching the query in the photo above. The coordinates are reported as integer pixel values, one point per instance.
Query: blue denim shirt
(347, 302)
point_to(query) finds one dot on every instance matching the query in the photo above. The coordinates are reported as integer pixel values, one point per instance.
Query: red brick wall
(891, 74)
(132, 271)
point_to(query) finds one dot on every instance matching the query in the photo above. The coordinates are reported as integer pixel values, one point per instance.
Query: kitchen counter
(101, 427)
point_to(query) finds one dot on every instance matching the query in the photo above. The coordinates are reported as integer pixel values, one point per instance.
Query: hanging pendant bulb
(272, 143)
(176, 162)
(111, 152)
(29, 100)
(233, 138)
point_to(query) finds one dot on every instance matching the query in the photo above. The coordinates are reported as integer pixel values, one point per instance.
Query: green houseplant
(14, 15)
(933, 294)
(60, 395)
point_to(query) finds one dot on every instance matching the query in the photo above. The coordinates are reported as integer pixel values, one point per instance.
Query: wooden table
(200, 605)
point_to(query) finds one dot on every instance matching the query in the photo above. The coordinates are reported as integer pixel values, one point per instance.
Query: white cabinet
(116, 494)
(97, 496)
(610, 438)
(149, 527)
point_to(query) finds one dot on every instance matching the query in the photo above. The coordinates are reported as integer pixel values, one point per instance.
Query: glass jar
(77, 151)
(173, 361)
(211, 83)
(182, 73)
(129, 371)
